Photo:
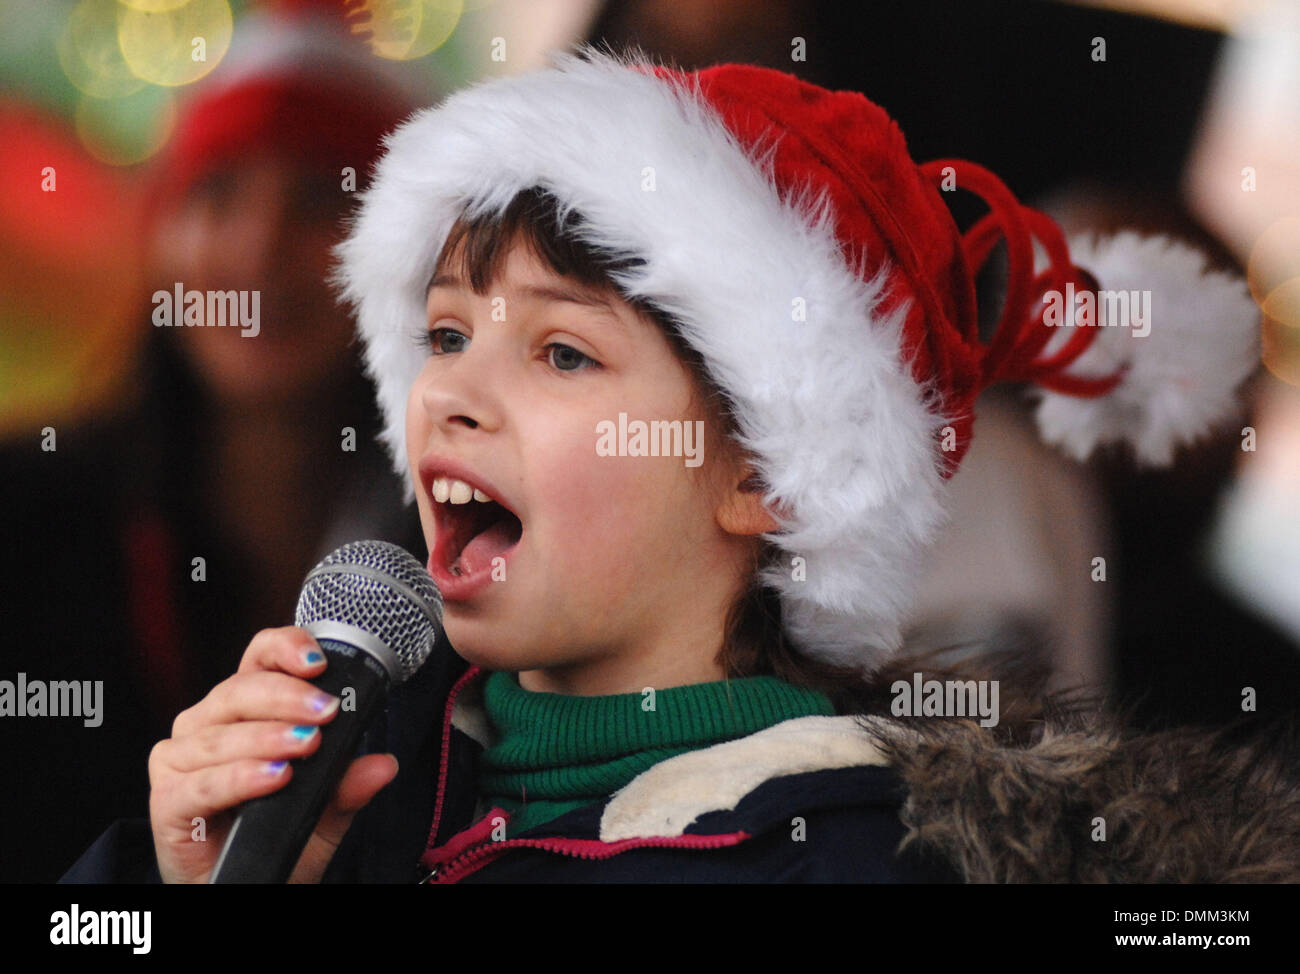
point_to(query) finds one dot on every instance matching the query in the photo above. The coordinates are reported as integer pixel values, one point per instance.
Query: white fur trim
(1202, 343)
(665, 799)
(839, 427)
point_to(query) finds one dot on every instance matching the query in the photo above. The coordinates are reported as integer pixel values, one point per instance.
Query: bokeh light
(153, 6)
(128, 130)
(69, 273)
(161, 46)
(403, 30)
(1273, 273)
(89, 54)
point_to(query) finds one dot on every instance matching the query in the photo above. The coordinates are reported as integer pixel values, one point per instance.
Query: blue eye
(435, 340)
(565, 358)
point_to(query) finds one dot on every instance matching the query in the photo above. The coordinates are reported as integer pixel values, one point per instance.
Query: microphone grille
(380, 588)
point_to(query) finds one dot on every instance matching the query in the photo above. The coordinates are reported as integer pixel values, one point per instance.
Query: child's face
(621, 575)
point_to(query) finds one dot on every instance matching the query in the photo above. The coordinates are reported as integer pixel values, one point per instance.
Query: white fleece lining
(469, 715)
(667, 798)
(839, 428)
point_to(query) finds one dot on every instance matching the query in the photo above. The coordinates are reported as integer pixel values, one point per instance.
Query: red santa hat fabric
(817, 269)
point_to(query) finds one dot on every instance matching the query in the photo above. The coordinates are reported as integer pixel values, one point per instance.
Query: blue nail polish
(276, 767)
(304, 731)
(315, 657)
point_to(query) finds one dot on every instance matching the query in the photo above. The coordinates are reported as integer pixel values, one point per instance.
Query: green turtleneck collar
(555, 752)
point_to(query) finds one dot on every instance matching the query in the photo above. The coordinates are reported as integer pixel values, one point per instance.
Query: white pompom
(1197, 343)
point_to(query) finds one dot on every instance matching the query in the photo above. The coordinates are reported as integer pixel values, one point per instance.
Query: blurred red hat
(297, 81)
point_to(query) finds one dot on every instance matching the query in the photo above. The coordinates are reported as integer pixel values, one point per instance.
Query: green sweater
(555, 752)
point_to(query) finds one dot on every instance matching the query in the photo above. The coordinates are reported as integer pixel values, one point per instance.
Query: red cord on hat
(1022, 331)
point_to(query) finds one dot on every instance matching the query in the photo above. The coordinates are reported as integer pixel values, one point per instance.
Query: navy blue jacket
(828, 824)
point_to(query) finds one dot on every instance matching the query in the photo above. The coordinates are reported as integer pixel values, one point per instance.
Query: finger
(266, 740)
(364, 778)
(210, 791)
(362, 781)
(290, 649)
(259, 695)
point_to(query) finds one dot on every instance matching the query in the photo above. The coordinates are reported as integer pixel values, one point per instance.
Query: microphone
(376, 614)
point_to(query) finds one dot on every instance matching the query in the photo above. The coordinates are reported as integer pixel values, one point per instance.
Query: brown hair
(755, 643)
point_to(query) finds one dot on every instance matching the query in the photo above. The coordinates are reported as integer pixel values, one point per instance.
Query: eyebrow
(568, 294)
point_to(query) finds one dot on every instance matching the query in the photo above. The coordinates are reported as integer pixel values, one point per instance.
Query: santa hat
(817, 270)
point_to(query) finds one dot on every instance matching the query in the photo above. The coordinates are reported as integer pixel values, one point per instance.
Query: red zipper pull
(478, 834)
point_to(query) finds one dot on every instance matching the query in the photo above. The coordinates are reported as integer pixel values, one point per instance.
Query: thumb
(364, 779)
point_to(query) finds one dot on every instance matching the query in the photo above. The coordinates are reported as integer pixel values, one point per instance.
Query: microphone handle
(271, 831)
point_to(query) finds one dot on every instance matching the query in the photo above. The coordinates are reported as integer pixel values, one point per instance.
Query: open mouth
(473, 532)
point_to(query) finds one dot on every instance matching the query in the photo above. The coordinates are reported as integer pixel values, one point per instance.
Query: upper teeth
(457, 491)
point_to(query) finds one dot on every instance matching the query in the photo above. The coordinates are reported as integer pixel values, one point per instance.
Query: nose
(264, 236)
(463, 393)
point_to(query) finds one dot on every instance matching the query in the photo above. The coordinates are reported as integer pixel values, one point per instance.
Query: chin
(498, 661)
(474, 642)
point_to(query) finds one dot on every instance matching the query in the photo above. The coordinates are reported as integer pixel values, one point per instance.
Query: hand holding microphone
(279, 734)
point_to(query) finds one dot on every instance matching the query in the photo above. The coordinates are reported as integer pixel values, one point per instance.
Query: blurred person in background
(157, 537)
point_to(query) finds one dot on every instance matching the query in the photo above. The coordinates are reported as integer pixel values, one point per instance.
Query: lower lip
(458, 588)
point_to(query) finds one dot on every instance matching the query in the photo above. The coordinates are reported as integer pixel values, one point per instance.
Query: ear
(741, 510)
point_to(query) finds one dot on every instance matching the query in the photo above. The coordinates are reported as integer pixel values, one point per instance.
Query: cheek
(417, 440)
(417, 421)
(605, 510)
(177, 245)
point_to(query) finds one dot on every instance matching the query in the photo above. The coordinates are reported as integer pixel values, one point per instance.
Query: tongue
(485, 546)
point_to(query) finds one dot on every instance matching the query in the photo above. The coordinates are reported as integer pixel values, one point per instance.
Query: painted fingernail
(303, 732)
(276, 767)
(313, 656)
(322, 703)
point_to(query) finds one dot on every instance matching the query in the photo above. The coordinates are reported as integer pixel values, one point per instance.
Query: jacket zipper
(445, 752)
(476, 858)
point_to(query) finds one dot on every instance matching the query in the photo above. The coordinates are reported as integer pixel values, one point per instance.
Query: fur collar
(1087, 802)
(1074, 799)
